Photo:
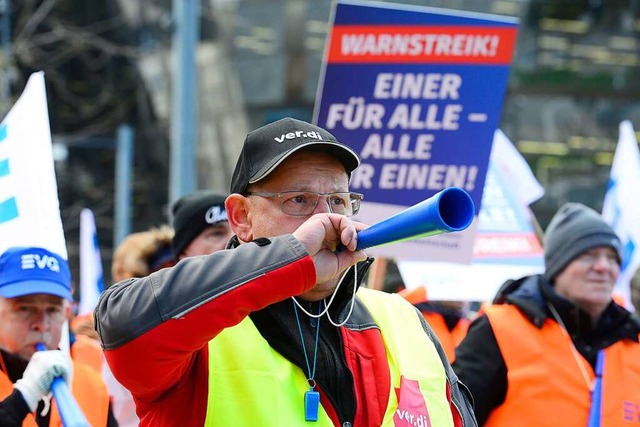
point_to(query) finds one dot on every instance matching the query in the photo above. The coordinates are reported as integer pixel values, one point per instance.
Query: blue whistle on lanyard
(311, 404)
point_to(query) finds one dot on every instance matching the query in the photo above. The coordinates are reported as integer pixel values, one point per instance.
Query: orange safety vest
(87, 388)
(86, 350)
(450, 339)
(546, 386)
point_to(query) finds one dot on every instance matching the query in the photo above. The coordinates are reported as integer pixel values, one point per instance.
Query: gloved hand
(43, 367)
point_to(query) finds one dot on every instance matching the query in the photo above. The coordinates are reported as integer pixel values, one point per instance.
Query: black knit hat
(573, 230)
(193, 213)
(266, 147)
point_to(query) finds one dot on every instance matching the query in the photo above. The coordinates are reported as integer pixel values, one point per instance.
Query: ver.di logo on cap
(298, 134)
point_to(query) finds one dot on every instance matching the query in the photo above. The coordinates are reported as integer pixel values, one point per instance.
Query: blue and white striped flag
(621, 207)
(91, 281)
(29, 205)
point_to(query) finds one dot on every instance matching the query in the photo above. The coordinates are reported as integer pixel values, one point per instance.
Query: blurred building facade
(575, 77)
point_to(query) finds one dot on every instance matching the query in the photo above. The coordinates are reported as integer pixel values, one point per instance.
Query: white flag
(621, 207)
(29, 206)
(91, 280)
(515, 169)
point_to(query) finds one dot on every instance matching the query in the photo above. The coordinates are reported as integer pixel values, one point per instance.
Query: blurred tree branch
(89, 52)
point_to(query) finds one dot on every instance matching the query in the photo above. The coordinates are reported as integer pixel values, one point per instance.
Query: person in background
(201, 227)
(276, 330)
(142, 253)
(532, 358)
(200, 224)
(635, 293)
(35, 288)
(449, 319)
(138, 255)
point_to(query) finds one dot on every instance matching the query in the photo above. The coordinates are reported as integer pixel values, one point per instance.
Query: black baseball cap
(268, 146)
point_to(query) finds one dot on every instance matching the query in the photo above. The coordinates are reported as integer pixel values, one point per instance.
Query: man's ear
(237, 207)
(66, 307)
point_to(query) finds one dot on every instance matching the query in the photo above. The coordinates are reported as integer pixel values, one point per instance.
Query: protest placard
(418, 93)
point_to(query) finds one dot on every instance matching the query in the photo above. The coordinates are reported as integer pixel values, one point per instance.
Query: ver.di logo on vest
(412, 409)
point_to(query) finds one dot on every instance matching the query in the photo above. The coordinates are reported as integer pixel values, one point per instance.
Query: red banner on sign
(415, 44)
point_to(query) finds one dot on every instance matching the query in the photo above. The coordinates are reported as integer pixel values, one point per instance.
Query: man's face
(212, 239)
(302, 171)
(588, 280)
(28, 320)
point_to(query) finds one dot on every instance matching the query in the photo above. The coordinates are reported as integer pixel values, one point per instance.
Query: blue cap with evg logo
(31, 270)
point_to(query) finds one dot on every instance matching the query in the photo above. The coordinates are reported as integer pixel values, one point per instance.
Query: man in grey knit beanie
(540, 343)
(574, 229)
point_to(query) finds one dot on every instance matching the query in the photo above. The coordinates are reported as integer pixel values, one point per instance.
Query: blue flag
(621, 207)
(91, 281)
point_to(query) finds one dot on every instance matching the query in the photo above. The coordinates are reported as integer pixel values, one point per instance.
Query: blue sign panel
(418, 93)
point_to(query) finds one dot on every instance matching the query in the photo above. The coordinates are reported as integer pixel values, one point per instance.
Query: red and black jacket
(155, 329)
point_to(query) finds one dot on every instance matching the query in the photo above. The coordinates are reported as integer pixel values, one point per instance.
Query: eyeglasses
(303, 203)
